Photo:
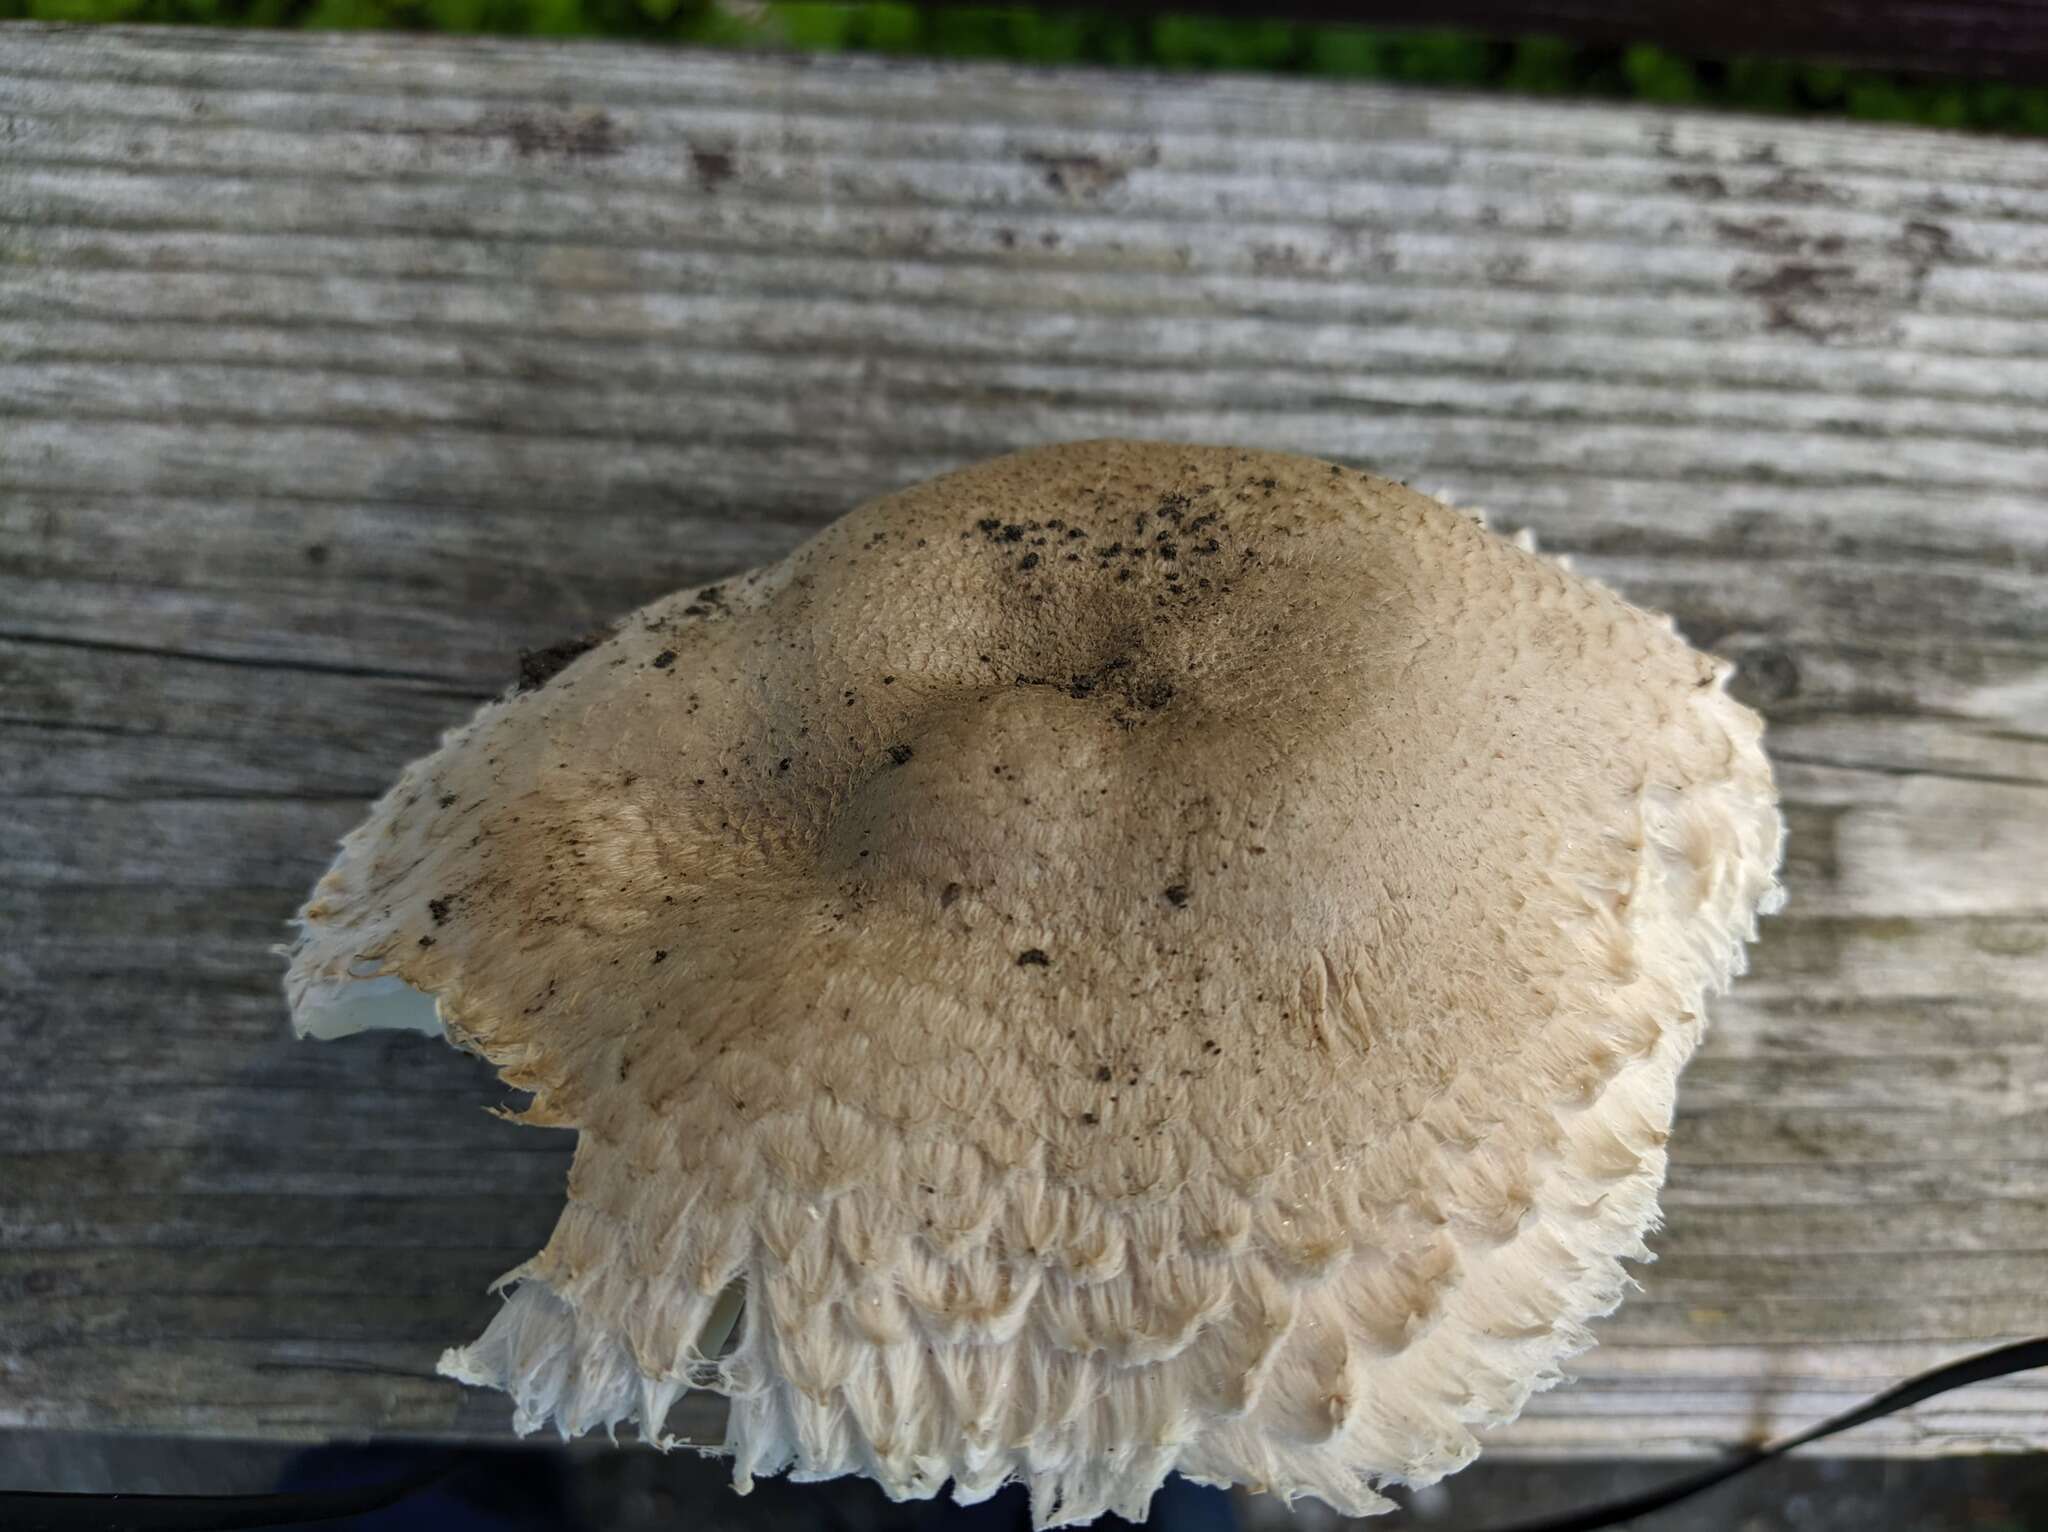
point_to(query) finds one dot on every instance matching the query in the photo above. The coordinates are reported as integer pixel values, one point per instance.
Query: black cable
(57, 1512)
(2021, 1356)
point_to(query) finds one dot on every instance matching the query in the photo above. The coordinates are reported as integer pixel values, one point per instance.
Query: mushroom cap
(1131, 957)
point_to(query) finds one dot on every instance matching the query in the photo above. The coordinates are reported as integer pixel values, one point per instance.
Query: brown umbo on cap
(1125, 958)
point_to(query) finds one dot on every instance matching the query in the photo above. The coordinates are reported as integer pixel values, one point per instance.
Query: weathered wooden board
(334, 370)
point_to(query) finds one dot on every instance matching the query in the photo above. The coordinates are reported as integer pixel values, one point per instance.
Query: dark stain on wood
(1766, 676)
(1278, 260)
(1925, 245)
(535, 132)
(1087, 176)
(714, 167)
(1774, 234)
(1791, 291)
(1698, 184)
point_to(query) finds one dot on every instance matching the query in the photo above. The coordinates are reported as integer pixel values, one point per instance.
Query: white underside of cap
(381, 1003)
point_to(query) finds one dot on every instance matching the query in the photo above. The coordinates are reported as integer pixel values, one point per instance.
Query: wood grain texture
(335, 370)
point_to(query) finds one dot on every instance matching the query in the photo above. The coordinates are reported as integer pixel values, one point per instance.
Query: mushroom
(1123, 959)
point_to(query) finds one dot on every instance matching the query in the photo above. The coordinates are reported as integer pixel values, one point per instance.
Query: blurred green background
(1538, 65)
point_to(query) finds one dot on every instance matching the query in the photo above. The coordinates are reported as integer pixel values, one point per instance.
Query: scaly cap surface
(1131, 957)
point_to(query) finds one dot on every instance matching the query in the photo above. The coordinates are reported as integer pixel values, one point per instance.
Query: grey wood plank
(335, 370)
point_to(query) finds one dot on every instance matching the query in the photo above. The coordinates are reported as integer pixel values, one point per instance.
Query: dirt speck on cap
(537, 667)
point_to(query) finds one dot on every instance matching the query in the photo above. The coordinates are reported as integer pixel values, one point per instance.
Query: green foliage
(344, 14)
(1768, 85)
(1210, 42)
(888, 26)
(457, 15)
(1349, 52)
(1440, 58)
(1660, 76)
(1540, 66)
(1533, 65)
(1047, 37)
(815, 24)
(969, 32)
